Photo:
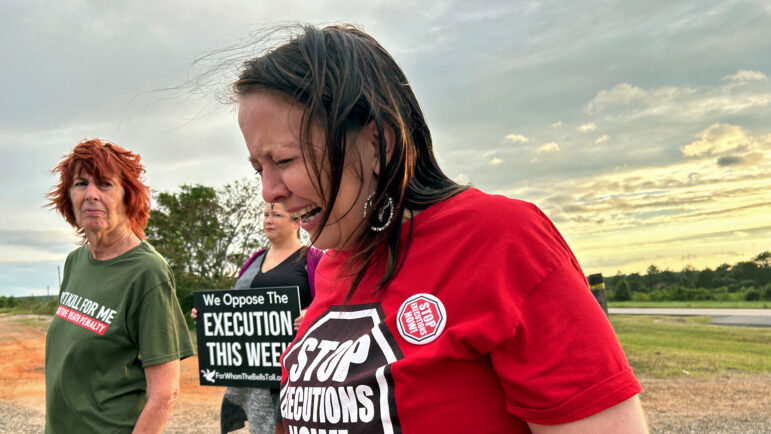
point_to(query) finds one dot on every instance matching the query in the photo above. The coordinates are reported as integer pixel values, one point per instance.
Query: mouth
(307, 214)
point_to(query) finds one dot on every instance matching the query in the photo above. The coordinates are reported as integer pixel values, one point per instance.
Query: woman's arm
(623, 418)
(162, 393)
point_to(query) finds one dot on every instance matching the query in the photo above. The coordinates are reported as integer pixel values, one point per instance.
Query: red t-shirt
(488, 324)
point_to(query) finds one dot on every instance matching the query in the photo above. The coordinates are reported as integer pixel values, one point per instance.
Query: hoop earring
(389, 207)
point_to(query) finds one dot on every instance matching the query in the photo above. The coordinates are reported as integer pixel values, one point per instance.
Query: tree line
(745, 280)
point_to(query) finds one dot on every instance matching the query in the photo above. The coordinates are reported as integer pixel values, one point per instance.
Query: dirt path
(687, 405)
(22, 385)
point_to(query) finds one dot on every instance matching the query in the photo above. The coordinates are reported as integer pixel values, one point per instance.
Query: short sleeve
(163, 333)
(564, 361)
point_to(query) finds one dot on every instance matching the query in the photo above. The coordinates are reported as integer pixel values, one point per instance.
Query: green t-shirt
(115, 318)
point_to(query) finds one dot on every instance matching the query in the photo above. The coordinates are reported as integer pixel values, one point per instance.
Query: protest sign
(242, 334)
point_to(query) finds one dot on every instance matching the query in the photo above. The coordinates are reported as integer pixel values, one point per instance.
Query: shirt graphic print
(339, 374)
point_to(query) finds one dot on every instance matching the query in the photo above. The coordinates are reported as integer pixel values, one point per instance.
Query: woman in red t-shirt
(438, 308)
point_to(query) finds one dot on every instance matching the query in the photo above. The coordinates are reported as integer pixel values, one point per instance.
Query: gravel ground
(699, 406)
(707, 406)
(17, 419)
(757, 425)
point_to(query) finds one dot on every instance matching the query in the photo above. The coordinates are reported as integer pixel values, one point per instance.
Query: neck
(285, 246)
(106, 246)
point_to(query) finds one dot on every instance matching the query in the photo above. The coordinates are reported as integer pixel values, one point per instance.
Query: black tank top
(290, 272)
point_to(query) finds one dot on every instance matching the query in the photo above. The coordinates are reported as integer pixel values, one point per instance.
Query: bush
(702, 294)
(12, 302)
(622, 292)
(752, 295)
(765, 293)
(47, 308)
(641, 296)
(678, 293)
(721, 294)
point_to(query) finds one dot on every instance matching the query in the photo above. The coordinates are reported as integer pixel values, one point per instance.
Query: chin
(327, 241)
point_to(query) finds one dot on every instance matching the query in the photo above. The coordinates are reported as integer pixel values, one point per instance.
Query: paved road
(740, 317)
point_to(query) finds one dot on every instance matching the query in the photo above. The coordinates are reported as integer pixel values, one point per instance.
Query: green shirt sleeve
(163, 334)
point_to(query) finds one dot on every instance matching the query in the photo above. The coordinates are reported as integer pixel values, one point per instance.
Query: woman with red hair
(114, 346)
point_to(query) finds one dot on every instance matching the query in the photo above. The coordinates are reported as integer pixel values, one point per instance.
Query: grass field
(705, 304)
(672, 347)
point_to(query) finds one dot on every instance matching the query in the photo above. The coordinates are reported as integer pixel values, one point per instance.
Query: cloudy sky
(641, 128)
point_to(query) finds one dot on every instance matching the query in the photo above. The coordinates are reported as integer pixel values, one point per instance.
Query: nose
(273, 187)
(92, 191)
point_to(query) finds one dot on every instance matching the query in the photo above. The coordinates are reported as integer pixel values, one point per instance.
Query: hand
(194, 313)
(299, 319)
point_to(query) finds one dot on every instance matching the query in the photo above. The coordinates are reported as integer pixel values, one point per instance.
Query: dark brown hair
(344, 79)
(103, 160)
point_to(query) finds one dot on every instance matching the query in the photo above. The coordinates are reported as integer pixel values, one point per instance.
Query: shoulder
(480, 230)
(76, 254)
(481, 207)
(249, 261)
(314, 255)
(150, 257)
(77, 259)
(151, 269)
(485, 217)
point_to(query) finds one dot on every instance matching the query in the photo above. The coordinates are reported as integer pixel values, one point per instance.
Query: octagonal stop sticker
(421, 319)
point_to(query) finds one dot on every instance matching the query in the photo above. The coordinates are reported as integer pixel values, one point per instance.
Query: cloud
(557, 124)
(621, 94)
(682, 103)
(587, 127)
(745, 75)
(48, 241)
(548, 148)
(516, 138)
(730, 161)
(601, 139)
(462, 179)
(718, 139)
(496, 161)
(692, 192)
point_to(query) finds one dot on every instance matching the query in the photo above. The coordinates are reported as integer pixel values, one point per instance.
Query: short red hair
(103, 161)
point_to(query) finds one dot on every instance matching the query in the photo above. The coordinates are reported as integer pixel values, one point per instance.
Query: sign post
(597, 285)
(242, 334)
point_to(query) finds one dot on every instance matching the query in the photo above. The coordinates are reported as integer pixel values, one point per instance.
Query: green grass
(705, 304)
(665, 347)
(33, 307)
